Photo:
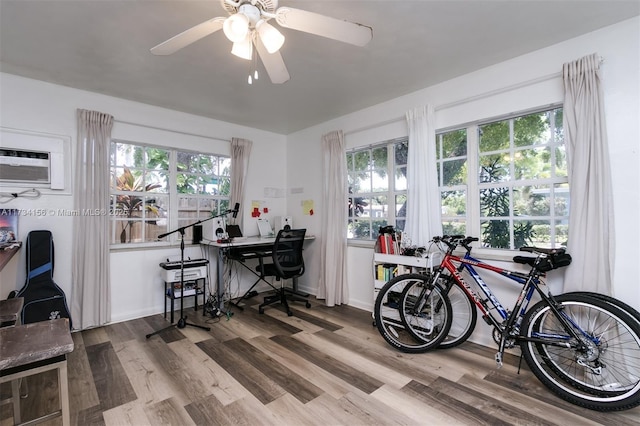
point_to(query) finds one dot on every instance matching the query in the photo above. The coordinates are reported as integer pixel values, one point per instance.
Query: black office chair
(288, 263)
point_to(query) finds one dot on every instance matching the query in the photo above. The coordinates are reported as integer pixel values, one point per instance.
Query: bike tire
(612, 300)
(587, 387)
(602, 375)
(389, 322)
(464, 314)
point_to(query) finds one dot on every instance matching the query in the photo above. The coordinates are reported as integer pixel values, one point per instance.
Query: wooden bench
(32, 349)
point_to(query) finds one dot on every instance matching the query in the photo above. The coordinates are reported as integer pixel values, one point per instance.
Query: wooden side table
(32, 349)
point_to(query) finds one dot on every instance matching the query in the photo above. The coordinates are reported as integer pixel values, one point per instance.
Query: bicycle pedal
(498, 358)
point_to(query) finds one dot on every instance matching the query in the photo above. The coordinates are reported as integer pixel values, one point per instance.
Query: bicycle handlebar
(454, 241)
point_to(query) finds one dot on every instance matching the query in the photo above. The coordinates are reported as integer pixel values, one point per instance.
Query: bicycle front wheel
(433, 323)
(601, 369)
(464, 314)
(463, 318)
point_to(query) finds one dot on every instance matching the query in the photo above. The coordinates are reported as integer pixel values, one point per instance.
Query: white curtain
(423, 195)
(240, 154)
(333, 250)
(591, 234)
(90, 286)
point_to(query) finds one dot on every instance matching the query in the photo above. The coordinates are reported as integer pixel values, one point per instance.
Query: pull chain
(254, 57)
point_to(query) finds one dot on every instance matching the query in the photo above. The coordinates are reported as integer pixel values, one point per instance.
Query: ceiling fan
(248, 26)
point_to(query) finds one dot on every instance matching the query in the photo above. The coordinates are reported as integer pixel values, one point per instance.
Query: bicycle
(583, 347)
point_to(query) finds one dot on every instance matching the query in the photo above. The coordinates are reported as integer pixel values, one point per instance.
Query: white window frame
(172, 195)
(473, 218)
(391, 192)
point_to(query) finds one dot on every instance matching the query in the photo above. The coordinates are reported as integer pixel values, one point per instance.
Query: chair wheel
(260, 311)
(289, 313)
(308, 305)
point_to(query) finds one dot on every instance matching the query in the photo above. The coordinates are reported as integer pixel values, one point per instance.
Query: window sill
(148, 246)
(361, 243)
(497, 255)
(477, 252)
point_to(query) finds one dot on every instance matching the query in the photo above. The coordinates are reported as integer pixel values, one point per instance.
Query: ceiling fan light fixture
(270, 36)
(243, 49)
(236, 27)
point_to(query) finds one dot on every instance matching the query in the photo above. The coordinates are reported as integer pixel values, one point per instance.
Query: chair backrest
(287, 253)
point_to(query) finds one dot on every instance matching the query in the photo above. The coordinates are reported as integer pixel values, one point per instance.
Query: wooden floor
(322, 366)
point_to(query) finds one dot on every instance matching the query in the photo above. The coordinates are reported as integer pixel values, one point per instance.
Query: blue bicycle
(584, 347)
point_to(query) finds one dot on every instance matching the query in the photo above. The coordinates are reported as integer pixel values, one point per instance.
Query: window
(451, 158)
(520, 193)
(377, 179)
(203, 185)
(154, 190)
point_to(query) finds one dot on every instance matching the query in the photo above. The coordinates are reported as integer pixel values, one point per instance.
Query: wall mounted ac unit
(33, 160)
(20, 166)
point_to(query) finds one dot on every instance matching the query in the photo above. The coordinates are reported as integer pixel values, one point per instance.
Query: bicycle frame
(467, 262)
(507, 323)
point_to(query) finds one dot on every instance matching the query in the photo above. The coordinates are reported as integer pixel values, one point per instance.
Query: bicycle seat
(542, 250)
(524, 260)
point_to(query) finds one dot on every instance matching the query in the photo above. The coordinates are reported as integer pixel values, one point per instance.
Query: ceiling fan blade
(273, 63)
(189, 36)
(313, 23)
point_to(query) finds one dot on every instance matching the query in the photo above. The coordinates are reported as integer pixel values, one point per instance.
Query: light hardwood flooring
(322, 366)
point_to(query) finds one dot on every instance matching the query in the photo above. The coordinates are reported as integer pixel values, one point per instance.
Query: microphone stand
(182, 322)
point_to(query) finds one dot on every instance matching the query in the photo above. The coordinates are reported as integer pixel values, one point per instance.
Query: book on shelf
(387, 244)
(386, 271)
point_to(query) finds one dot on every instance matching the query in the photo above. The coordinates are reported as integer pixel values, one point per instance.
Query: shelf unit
(172, 295)
(396, 264)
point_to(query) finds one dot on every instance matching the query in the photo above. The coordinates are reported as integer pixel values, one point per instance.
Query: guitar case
(43, 299)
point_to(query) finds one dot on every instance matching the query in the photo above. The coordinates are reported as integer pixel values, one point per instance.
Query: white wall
(528, 81)
(137, 287)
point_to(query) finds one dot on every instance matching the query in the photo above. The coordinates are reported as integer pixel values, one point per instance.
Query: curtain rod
(466, 100)
(171, 130)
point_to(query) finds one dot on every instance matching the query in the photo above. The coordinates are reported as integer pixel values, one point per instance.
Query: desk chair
(288, 263)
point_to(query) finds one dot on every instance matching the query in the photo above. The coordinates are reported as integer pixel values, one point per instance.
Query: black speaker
(197, 234)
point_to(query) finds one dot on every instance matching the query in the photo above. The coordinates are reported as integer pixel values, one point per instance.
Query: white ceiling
(103, 46)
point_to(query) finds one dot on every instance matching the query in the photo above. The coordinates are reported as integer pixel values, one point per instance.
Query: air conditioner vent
(24, 166)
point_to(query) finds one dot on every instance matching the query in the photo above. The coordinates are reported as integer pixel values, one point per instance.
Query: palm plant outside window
(139, 192)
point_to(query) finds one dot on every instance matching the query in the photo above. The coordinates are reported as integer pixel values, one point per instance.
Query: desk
(31, 349)
(220, 250)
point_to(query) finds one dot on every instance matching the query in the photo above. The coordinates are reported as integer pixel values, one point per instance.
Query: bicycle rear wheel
(599, 371)
(433, 324)
(612, 300)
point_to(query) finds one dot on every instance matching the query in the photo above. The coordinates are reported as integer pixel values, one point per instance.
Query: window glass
(377, 182)
(523, 192)
(145, 179)
(451, 154)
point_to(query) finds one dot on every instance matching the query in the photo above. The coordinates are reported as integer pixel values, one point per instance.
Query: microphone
(235, 210)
